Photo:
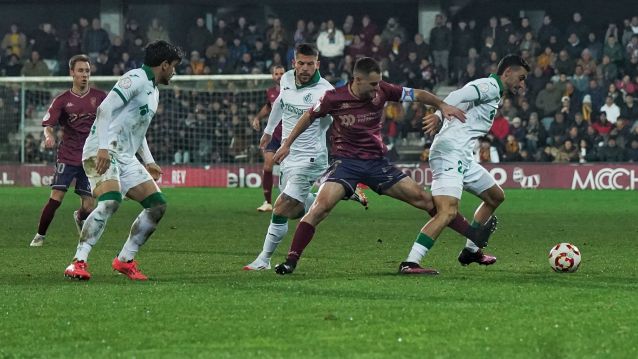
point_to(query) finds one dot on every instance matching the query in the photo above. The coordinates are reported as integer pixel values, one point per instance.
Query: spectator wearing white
(331, 44)
(611, 109)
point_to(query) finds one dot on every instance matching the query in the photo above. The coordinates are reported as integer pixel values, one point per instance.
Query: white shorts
(452, 174)
(297, 181)
(129, 172)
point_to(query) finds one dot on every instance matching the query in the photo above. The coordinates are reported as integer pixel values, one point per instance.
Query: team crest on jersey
(308, 98)
(124, 83)
(483, 88)
(93, 101)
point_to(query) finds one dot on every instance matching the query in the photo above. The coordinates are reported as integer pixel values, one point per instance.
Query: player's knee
(156, 205)
(447, 213)
(497, 197)
(157, 211)
(109, 202)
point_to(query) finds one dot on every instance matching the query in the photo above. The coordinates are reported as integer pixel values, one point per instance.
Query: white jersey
(480, 100)
(293, 101)
(128, 125)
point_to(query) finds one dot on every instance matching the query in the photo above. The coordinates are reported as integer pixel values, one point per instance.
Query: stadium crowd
(579, 105)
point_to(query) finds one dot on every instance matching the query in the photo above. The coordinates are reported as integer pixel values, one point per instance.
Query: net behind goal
(201, 133)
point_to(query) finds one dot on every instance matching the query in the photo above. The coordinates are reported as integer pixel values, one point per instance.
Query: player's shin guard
(144, 226)
(276, 231)
(95, 223)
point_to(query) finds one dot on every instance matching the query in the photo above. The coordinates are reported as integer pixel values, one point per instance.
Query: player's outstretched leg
(145, 224)
(330, 193)
(484, 224)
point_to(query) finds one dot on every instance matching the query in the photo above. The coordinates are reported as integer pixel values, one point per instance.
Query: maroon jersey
(75, 114)
(271, 95)
(356, 126)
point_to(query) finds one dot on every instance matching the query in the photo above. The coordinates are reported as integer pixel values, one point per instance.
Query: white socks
(276, 232)
(141, 229)
(417, 253)
(94, 227)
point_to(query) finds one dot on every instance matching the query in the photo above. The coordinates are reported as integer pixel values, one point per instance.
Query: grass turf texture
(344, 300)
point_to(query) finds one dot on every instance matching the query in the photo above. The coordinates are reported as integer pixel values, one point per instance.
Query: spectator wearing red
(603, 126)
(500, 127)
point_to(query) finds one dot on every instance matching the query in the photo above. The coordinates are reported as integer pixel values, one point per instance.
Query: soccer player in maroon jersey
(275, 142)
(74, 111)
(359, 154)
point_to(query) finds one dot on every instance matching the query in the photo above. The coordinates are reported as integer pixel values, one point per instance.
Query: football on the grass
(564, 257)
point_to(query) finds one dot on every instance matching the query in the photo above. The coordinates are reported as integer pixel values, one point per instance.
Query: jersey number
(347, 120)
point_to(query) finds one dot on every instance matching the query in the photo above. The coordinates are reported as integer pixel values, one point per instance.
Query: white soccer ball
(564, 257)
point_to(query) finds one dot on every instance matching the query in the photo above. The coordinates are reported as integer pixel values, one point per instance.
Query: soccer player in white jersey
(453, 165)
(118, 134)
(300, 88)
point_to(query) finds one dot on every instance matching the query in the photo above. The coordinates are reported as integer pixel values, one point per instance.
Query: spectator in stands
(629, 110)
(587, 62)
(156, 31)
(548, 100)
(300, 33)
(529, 43)
(241, 28)
(508, 109)
(331, 44)
(607, 70)
(378, 50)
(535, 136)
(236, 50)
(557, 130)
(487, 153)
(579, 79)
(611, 152)
(391, 30)
(546, 31)
(500, 127)
(132, 32)
(12, 67)
(567, 152)
(368, 30)
(217, 49)
(564, 63)
(196, 64)
(441, 43)
(512, 149)
(34, 66)
(614, 50)
(46, 43)
(615, 94)
(578, 27)
(626, 86)
(596, 93)
(603, 127)
(610, 109)
(15, 40)
(632, 153)
(95, 40)
(73, 43)
(357, 49)
(199, 37)
(348, 29)
(517, 130)
(245, 65)
(462, 40)
(632, 46)
(278, 33)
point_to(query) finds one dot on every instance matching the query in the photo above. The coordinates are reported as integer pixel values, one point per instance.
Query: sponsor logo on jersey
(69, 104)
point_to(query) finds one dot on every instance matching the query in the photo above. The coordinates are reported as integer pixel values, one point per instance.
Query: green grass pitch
(345, 299)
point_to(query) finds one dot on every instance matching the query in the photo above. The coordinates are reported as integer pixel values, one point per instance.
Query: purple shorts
(378, 174)
(65, 174)
(273, 145)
